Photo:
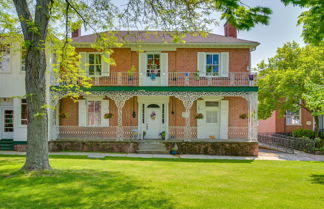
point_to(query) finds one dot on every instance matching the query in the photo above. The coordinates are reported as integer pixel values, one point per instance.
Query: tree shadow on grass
(78, 189)
(317, 179)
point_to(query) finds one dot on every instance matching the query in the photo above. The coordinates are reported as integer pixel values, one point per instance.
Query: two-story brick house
(199, 95)
(198, 91)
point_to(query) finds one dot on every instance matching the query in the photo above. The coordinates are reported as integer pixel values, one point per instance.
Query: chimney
(76, 33)
(230, 30)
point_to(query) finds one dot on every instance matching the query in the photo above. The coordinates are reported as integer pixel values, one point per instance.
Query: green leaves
(292, 79)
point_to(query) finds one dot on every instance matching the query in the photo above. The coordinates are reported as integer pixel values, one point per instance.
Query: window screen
(211, 116)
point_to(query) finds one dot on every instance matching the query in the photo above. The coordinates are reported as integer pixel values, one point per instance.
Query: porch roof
(176, 88)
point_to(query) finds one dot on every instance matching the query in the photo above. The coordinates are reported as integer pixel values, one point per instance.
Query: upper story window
(94, 113)
(293, 118)
(153, 65)
(23, 59)
(4, 59)
(212, 64)
(94, 63)
(24, 112)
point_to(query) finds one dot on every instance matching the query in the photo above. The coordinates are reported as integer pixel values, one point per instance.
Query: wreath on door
(153, 115)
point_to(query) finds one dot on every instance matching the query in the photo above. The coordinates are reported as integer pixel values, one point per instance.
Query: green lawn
(162, 183)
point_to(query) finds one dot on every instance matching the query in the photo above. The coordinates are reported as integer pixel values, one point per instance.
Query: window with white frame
(153, 65)
(94, 113)
(4, 59)
(212, 64)
(94, 64)
(24, 112)
(293, 118)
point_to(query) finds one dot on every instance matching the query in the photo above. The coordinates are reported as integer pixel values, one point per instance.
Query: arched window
(153, 106)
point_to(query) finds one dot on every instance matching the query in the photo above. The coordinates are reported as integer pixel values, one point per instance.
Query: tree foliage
(312, 20)
(292, 79)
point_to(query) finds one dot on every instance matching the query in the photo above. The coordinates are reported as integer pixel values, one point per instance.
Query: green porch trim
(19, 142)
(175, 88)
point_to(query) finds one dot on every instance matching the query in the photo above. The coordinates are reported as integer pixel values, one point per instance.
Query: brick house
(199, 95)
(290, 122)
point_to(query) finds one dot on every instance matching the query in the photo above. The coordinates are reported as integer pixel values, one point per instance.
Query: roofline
(182, 45)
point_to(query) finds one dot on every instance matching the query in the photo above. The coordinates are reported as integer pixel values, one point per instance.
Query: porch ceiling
(176, 88)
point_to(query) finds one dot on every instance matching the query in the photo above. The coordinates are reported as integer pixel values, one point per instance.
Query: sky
(281, 28)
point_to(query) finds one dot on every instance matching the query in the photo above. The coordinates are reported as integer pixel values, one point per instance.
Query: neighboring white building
(13, 108)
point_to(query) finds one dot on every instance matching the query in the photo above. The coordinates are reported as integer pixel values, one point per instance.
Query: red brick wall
(277, 124)
(181, 60)
(70, 107)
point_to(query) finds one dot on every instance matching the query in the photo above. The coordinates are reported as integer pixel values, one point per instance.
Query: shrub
(303, 133)
(319, 142)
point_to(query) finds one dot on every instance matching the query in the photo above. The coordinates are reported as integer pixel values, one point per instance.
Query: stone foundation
(206, 148)
(93, 146)
(216, 148)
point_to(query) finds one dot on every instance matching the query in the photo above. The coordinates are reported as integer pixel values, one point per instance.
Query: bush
(319, 142)
(299, 133)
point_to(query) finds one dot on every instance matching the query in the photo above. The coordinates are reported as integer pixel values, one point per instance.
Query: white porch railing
(176, 79)
(132, 132)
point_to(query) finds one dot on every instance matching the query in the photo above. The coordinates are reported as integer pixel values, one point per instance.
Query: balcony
(173, 79)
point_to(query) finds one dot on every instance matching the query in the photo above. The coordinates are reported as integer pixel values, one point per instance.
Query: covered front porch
(192, 116)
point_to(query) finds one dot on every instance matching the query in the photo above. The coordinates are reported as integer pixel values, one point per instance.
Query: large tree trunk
(37, 135)
(35, 33)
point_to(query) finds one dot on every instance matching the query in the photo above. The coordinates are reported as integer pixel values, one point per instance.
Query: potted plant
(243, 116)
(174, 149)
(131, 72)
(162, 135)
(174, 75)
(199, 116)
(64, 115)
(197, 75)
(108, 115)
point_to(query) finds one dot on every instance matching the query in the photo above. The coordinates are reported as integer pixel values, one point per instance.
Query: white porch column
(53, 128)
(187, 100)
(120, 100)
(252, 99)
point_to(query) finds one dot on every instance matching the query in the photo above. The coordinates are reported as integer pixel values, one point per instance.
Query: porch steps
(6, 144)
(152, 147)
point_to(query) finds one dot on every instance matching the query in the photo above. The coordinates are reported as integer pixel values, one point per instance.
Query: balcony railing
(174, 79)
(132, 132)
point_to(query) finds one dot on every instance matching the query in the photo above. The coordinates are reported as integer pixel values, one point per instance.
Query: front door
(153, 121)
(7, 125)
(208, 126)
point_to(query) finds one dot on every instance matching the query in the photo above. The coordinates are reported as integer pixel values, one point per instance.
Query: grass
(78, 182)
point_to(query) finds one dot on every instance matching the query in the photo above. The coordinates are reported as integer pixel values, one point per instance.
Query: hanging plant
(153, 115)
(64, 115)
(199, 116)
(243, 116)
(108, 115)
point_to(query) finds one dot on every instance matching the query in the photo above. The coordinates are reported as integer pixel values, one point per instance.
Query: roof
(162, 37)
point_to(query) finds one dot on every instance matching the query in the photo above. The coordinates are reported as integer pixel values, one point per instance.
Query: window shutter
(164, 69)
(201, 63)
(105, 65)
(224, 119)
(142, 66)
(104, 110)
(83, 61)
(224, 64)
(82, 112)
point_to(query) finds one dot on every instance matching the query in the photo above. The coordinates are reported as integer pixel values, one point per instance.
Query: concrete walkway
(263, 155)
